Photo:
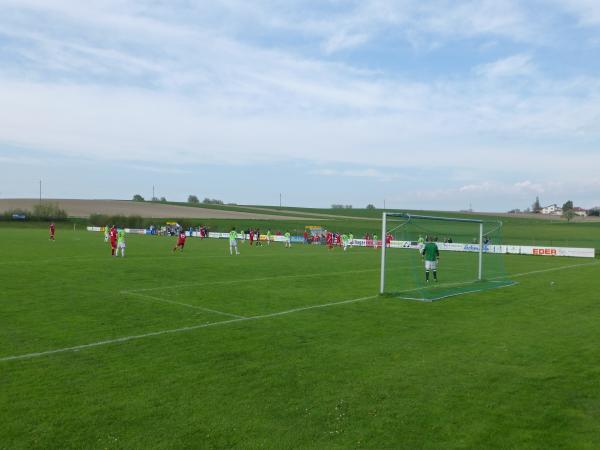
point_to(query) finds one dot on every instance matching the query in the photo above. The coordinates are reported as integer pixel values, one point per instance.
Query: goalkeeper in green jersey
(233, 242)
(431, 255)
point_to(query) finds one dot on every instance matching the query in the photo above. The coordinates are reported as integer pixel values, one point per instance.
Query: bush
(370, 206)
(138, 198)
(49, 211)
(212, 201)
(101, 220)
(41, 212)
(8, 215)
(193, 199)
(594, 212)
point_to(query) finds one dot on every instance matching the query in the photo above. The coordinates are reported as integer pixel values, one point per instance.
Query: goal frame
(416, 216)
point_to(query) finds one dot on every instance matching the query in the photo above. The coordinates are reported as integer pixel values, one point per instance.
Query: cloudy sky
(427, 104)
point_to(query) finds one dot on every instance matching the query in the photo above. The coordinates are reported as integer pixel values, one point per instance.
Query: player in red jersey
(113, 240)
(180, 241)
(251, 236)
(388, 240)
(338, 239)
(329, 240)
(52, 231)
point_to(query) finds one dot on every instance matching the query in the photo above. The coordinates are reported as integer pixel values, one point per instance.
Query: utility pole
(40, 192)
(280, 200)
(384, 203)
(152, 192)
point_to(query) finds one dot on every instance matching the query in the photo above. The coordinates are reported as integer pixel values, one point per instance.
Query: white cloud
(486, 186)
(586, 11)
(357, 173)
(106, 81)
(342, 41)
(529, 186)
(512, 66)
(519, 187)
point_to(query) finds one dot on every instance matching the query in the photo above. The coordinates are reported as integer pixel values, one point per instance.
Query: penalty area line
(180, 330)
(187, 305)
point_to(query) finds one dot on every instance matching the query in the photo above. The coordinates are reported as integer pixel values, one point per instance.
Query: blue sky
(426, 104)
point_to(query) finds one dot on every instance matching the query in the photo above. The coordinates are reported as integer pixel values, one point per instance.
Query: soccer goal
(431, 258)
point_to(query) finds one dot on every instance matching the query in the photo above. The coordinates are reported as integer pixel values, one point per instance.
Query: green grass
(507, 368)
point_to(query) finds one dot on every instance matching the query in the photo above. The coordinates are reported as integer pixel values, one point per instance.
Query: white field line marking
(516, 275)
(553, 269)
(429, 300)
(164, 300)
(225, 322)
(282, 277)
(181, 330)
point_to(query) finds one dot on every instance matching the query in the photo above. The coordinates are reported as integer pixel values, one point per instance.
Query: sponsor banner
(366, 243)
(572, 252)
(135, 231)
(510, 249)
(558, 251)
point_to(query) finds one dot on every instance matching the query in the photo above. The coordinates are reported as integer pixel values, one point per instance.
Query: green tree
(49, 211)
(212, 201)
(536, 207)
(568, 206)
(138, 198)
(568, 212)
(370, 206)
(193, 199)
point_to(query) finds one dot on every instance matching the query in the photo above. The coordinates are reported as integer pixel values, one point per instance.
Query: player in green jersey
(268, 237)
(233, 242)
(350, 240)
(288, 239)
(431, 255)
(345, 241)
(420, 242)
(121, 242)
(375, 243)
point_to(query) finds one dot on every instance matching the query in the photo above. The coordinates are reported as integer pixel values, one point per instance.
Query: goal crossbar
(445, 219)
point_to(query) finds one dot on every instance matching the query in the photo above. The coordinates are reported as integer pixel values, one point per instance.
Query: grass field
(285, 348)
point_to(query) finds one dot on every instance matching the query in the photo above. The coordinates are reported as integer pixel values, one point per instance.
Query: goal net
(470, 256)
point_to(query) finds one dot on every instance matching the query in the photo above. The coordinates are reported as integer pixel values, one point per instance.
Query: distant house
(556, 210)
(553, 209)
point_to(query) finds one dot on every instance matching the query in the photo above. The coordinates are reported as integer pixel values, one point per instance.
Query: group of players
(428, 248)
(254, 236)
(116, 237)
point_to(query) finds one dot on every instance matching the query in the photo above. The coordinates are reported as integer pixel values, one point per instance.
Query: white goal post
(415, 216)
